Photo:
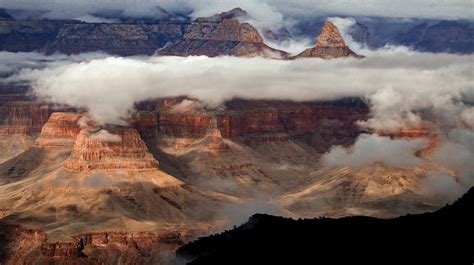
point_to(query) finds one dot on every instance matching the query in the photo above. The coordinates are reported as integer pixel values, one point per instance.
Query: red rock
(426, 131)
(116, 148)
(222, 34)
(214, 139)
(329, 44)
(61, 129)
(188, 125)
(330, 37)
(265, 121)
(146, 123)
(21, 246)
(23, 117)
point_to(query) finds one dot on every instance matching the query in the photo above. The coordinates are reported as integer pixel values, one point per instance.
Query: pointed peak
(234, 13)
(330, 37)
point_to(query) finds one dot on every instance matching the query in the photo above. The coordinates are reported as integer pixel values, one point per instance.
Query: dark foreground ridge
(442, 237)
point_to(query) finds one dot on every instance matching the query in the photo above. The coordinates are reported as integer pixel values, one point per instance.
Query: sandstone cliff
(329, 44)
(23, 117)
(222, 34)
(61, 129)
(111, 149)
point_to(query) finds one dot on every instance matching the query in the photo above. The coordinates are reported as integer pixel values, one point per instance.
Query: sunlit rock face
(318, 123)
(222, 34)
(111, 149)
(61, 129)
(329, 44)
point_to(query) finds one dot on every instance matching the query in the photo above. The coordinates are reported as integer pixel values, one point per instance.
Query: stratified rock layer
(222, 34)
(117, 148)
(61, 129)
(23, 117)
(329, 44)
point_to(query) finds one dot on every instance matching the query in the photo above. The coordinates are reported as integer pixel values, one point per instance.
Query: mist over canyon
(128, 129)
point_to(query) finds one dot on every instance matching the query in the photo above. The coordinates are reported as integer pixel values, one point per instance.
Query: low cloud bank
(370, 149)
(396, 84)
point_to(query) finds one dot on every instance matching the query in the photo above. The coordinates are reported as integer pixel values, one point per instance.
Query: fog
(371, 148)
(396, 84)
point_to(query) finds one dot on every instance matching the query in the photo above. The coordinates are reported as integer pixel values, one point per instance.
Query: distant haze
(264, 12)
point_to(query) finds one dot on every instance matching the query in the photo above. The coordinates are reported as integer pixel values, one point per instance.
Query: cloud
(369, 149)
(456, 152)
(467, 116)
(264, 12)
(12, 62)
(105, 136)
(397, 85)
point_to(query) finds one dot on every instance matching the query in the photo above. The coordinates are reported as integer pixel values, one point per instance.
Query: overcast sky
(268, 10)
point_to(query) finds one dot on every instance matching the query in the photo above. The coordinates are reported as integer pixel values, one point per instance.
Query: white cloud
(397, 84)
(369, 149)
(105, 136)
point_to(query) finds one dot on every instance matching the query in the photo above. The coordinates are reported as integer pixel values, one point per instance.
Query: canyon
(329, 44)
(222, 34)
(77, 191)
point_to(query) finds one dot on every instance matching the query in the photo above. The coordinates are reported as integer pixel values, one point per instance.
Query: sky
(266, 11)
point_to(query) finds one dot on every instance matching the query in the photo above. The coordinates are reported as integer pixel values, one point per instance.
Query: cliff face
(72, 37)
(27, 35)
(258, 121)
(111, 149)
(121, 39)
(146, 123)
(61, 129)
(19, 245)
(23, 117)
(222, 34)
(329, 44)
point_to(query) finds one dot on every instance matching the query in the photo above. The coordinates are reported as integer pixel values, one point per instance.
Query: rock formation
(23, 117)
(19, 245)
(146, 123)
(329, 44)
(122, 39)
(110, 149)
(213, 138)
(222, 34)
(260, 121)
(61, 129)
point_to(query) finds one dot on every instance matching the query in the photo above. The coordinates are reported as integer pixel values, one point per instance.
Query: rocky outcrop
(19, 245)
(23, 117)
(146, 123)
(245, 118)
(61, 129)
(110, 149)
(187, 125)
(329, 44)
(122, 39)
(222, 34)
(213, 138)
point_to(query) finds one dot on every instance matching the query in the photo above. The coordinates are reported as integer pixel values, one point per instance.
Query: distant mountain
(425, 35)
(176, 33)
(329, 44)
(441, 237)
(222, 34)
